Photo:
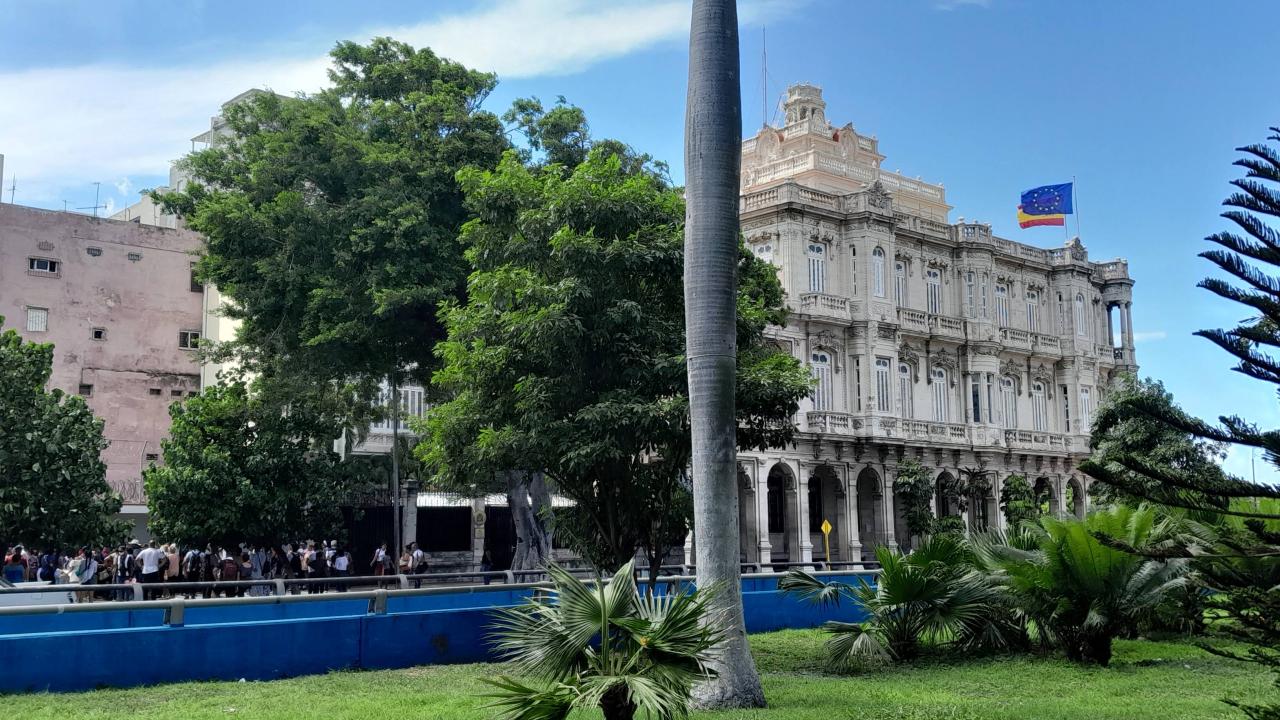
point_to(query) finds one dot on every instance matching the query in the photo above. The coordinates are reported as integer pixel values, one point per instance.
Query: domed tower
(804, 102)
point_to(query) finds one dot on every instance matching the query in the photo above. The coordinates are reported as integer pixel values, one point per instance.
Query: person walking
(379, 561)
(14, 571)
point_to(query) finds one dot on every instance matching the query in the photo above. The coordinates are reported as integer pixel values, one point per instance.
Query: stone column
(852, 533)
(1128, 326)
(803, 544)
(887, 509)
(1111, 333)
(477, 530)
(689, 556)
(997, 487)
(764, 550)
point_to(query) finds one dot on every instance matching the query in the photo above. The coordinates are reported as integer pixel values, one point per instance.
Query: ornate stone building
(928, 339)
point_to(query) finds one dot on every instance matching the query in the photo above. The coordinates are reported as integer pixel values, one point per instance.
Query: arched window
(877, 272)
(1086, 408)
(906, 395)
(817, 267)
(821, 365)
(1009, 399)
(933, 285)
(1081, 330)
(1002, 305)
(941, 411)
(1033, 311)
(1039, 408)
(970, 293)
(900, 283)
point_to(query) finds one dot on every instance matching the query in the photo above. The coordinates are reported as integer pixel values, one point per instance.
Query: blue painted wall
(81, 651)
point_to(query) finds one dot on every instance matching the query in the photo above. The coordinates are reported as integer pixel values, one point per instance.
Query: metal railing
(175, 608)
(335, 588)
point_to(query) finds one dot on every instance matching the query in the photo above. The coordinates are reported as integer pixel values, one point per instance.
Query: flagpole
(1075, 205)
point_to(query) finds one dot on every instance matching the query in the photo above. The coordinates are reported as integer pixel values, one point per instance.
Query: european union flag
(1048, 200)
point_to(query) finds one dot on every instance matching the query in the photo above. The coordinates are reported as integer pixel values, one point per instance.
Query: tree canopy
(54, 492)
(236, 469)
(568, 356)
(332, 220)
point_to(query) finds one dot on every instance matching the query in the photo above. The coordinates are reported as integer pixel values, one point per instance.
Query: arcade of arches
(782, 503)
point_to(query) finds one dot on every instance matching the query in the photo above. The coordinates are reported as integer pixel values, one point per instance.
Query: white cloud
(78, 125)
(1149, 336)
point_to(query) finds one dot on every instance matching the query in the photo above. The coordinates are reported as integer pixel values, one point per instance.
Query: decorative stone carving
(878, 197)
(828, 339)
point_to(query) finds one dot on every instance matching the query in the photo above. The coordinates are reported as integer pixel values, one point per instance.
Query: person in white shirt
(379, 563)
(341, 564)
(150, 559)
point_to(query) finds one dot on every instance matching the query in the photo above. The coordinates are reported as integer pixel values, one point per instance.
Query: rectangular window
(970, 291)
(135, 257)
(188, 339)
(817, 268)
(196, 285)
(42, 266)
(98, 333)
(93, 251)
(1002, 305)
(1039, 411)
(1085, 409)
(85, 390)
(1010, 404)
(1066, 409)
(933, 282)
(883, 398)
(1033, 312)
(155, 391)
(982, 296)
(975, 396)
(37, 319)
(941, 413)
(900, 284)
(153, 457)
(175, 393)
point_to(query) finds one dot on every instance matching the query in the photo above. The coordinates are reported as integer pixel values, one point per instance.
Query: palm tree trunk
(712, 158)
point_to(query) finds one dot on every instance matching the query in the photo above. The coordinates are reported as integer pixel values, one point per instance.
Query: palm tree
(606, 646)
(712, 159)
(933, 595)
(1079, 592)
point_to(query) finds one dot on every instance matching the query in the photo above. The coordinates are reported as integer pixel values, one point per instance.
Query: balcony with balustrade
(824, 305)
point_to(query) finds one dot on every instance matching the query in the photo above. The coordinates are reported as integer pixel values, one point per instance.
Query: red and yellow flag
(1026, 221)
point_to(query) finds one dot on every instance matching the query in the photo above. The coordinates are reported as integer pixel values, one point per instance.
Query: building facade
(928, 340)
(119, 302)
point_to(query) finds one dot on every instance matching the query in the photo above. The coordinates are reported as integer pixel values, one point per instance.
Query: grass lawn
(1159, 680)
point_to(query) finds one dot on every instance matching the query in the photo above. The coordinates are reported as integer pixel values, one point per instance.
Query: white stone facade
(928, 340)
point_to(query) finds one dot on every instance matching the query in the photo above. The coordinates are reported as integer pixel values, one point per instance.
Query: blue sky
(1142, 103)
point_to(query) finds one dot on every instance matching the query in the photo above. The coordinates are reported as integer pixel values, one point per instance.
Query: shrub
(606, 646)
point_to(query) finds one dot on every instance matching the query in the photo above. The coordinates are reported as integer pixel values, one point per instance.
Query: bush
(1080, 593)
(604, 646)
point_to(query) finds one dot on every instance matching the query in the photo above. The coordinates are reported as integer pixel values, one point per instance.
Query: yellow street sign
(826, 538)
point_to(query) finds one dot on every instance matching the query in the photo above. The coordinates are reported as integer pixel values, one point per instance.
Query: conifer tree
(1239, 552)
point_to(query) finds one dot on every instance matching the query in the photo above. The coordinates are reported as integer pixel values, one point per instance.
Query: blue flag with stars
(1048, 200)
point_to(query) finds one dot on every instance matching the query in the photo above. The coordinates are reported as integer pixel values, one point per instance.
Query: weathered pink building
(119, 303)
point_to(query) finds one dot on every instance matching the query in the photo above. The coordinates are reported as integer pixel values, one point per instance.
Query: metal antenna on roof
(12, 188)
(97, 191)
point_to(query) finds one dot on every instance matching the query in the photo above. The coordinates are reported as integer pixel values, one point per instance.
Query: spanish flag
(1026, 221)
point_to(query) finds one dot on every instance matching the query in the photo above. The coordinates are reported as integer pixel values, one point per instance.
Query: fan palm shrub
(1080, 593)
(932, 595)
(604, 645)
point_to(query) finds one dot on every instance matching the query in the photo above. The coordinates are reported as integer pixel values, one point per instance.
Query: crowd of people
(153, 563)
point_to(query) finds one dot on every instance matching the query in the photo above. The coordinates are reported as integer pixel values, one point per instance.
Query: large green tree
(1238, 558)
(332, 222)
(236, 469)
(53, 487)
(568, 358)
